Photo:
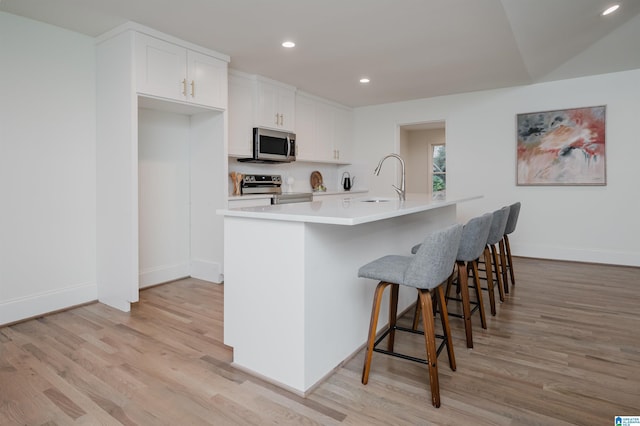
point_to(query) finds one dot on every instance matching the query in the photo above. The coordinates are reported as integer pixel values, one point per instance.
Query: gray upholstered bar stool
(472, 245)
(491, 255)
(426, 272)
(512, 221)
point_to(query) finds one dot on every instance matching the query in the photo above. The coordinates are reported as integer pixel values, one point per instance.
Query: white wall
(163, 196)
(207, 194)
(47, 168)
(583, 223)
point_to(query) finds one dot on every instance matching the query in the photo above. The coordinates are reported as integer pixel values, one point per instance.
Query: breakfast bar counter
(294, 308)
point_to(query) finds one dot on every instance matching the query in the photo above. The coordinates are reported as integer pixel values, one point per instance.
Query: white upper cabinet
(207, 77)
(343, 129)
(241, 123)
(171, 71)
(276, 105)
(324, 130)
(306, 147)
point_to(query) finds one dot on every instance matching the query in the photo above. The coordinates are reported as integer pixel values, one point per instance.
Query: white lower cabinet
(252, 202)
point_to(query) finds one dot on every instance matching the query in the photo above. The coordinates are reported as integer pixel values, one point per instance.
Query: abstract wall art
(563, 147)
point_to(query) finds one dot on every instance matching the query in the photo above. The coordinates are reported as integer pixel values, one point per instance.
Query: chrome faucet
(400, 191)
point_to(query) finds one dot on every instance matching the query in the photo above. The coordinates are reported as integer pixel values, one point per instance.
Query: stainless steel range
(272, 184)
(261, 184)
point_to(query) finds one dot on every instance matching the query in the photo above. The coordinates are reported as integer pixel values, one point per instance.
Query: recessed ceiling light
(364, 80)
(288, 44)
(610, 9)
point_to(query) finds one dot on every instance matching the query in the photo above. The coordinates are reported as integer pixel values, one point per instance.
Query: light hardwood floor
(564, 348)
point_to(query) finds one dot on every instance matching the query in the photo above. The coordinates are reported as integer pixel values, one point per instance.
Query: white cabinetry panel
(276, 105)
(134, 146)
(324, 130)
(173, 72)
(207, 77)
(240, 116)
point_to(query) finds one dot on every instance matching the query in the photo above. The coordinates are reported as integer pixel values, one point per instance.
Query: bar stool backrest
(433, 263)
(498, 225)
(474, 237)
(514, 212)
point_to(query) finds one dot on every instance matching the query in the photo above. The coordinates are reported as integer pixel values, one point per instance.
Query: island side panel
(264, 298)
(337, 302)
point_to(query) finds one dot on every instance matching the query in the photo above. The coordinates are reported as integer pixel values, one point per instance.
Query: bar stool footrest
(403, 356)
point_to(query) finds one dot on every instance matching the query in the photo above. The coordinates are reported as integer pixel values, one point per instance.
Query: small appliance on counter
(272, 184)
(348, 181)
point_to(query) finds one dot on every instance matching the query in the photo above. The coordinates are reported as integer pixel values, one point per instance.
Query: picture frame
(561, 147)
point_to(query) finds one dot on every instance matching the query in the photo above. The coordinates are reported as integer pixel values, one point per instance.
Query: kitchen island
(294, 307)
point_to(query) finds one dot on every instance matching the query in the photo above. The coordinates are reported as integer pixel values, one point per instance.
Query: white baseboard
(608, 257)
(206, 270)
(163, 274)
(43, 303)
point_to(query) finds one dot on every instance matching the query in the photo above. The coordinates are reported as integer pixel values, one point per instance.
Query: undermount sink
(377, 200)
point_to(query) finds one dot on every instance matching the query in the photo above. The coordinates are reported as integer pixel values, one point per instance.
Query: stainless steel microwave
(273, 145)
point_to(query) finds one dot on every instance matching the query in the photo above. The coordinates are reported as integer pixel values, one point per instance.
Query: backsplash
(301, 171)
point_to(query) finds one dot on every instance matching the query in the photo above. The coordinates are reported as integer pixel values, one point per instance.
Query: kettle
(347, 181)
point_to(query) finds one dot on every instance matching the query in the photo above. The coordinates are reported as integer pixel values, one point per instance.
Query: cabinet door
(325, 132)
(343, 135)
(240, 116)
(305, 129)
(207, 80)
(267, 106)
(287, 109)
(161, 68)
(275, 106)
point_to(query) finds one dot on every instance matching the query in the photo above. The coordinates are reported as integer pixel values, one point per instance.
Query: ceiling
(409, 49)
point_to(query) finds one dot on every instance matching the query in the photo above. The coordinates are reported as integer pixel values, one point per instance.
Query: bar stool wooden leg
(509, 259)
(416, 314)
(449, 285)
(430, 343)
(375, 312)
(496, 265)
(393, 316)
(503, 264)
(466, 304)
(444, 317)
(476, 280)
(489, 272)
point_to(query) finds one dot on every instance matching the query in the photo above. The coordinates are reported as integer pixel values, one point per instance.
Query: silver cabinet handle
(277, 118)
(193, 88)
(184, 87)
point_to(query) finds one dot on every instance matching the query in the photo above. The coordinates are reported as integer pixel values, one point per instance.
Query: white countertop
(249, 197)
(347, 211)
(316, 193)
(341, 192)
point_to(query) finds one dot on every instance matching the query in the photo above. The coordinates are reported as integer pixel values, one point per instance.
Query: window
(439, 171)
